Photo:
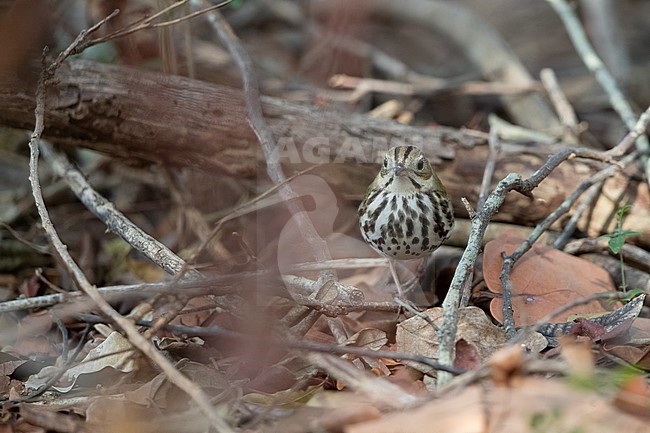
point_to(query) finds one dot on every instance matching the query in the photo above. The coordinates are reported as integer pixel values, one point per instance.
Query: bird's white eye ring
(420, 163)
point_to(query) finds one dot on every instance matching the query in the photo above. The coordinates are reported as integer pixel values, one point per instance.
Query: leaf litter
(265, 386)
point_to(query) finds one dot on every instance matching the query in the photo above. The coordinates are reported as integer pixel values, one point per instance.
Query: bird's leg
(422, 267)
(393, 270)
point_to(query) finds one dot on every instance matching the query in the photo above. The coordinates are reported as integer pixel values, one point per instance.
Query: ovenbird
(406, 212)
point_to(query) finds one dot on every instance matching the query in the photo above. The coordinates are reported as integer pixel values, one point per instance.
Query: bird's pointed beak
(400, 170)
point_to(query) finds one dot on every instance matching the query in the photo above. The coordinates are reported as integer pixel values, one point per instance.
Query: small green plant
(543, 422)
(617, 240)
(553, 420)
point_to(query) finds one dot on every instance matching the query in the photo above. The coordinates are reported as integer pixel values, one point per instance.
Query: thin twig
(638, 256)
(374, 389)
(561, 103)
(631, 137)
(351, 263)
(336, 308)
(608, 83)
(75, 46)
(577, 302)
(506, 290)
(194, 391)
(468, 207)
(605, 23)
(147, 22)
(212, 284)
(494, 146)
(417, 313)
(555, 160)
(363, 86)
(510, 260)
(292, 343)
(260, 127)
(265, 136)
(479, 224)
(384, 62)
(41, 249)
(245, 208)
(587, 202)
(465, 269)
(566, 205)
(61, 370)
(474, 37)
(115, 220)
(513, 132)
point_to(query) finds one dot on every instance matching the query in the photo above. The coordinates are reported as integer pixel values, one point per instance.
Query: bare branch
(147, 22)
(479, 225)
(493, 153)
(606, 80)
(292, 343)
(115, 220)
(141, 343)
(562, 105)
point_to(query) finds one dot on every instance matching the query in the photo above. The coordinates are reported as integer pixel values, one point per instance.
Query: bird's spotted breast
(406, 212)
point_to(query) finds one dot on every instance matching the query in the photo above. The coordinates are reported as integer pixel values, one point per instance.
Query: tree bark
(143, 115)
(164, 118)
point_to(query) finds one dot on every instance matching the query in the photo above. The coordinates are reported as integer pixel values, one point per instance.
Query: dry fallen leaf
(534, 405)
(634, 397)
(368, 338)
(326, 411)
(576, 351)
(115, 352)
(634, 345)
(477, 337)
(506, 365)
(543, 280)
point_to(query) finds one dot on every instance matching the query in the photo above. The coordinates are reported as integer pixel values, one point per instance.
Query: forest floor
(181, 254)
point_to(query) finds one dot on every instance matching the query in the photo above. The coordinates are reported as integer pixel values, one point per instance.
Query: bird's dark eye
(385, 163)
(421, 164)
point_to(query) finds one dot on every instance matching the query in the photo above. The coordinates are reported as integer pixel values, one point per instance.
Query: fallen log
(143, 115)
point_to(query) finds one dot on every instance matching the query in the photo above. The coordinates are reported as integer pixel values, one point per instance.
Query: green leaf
(631, 294)
(616, 243)
(617, 239)
(618, 236)
(622, 211)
